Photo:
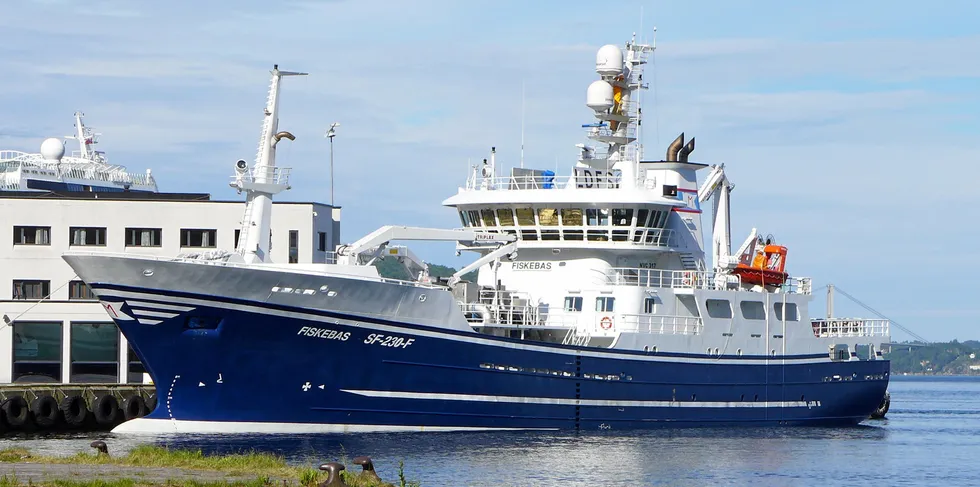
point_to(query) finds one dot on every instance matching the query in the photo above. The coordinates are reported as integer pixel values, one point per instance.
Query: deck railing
(659, 324)
(684, 279)
(850, 327)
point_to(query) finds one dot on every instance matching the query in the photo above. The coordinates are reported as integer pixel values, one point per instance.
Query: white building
(68, 338)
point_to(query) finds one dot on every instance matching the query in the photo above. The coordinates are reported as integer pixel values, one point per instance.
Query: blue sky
(848, 128)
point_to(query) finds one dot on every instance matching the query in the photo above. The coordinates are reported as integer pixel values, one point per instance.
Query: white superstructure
(86, 169)
(68, 337)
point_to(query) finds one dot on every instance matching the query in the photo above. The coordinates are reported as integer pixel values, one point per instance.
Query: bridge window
(719, 308)
(548, 217)
(605, 304)
(506, 217)
(571, 217)
(597, 217)
(573, 235)
(32, 235)
(525, 217)
(753, 310)
(641, 217)
(573, 303)
(474, 218)
(462, 219)
(622, 217)
(791, 314)
(488, 218)
(529, 234)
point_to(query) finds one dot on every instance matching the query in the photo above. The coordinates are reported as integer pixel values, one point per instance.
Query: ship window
(622, 217)
(238, 234)
(475, 218)
(663, 219)
(649, 305)
(573, 235)
(719, 308)
(638, 235)
(598, 235)
(32, 235)
(80, 291)
(195, 237)
(571, 217)
(641, 217)
(550, 235)
(605, 304)
(37, 351)
(322, 241)
(529, 234)
(488, 218)
(94, 353)
(548, 217)
(525, 217)
(791, 314)
(506, 217)
(462, 219)
(597, 217)
(573, 303)
(87, 236)
(753, 310)
(144, 237)
(31, 289)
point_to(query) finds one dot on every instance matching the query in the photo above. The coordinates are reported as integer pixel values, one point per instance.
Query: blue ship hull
(248, 366)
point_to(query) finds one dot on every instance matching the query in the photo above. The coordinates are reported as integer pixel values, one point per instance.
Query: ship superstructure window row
(638, 225)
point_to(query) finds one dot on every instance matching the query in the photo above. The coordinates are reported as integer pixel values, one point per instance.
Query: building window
(573, 303)
(322, 241)
(136, 368)
(144, 237)
(94, 353)
(605, 304)
(37, 352)
(293, 246)
(79, 290)
(195, 237)
(31, 289)
(87, 236)
(649, 305)
(32, 235)
(238, 233)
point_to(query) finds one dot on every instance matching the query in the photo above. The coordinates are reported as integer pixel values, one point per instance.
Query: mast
(263, 180)
(84, 136)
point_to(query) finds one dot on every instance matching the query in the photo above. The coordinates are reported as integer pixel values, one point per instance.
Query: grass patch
(269, 469)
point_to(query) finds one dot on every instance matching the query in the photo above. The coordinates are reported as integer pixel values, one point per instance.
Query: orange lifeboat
(766, 267)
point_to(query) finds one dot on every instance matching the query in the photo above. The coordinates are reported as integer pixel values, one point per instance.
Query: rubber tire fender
(133, 407)
(74, 410)
(151, 403)
(106, 409)
(16, 411)
(45, 411)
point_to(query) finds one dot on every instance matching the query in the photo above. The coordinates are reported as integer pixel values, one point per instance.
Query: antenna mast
(522, 124)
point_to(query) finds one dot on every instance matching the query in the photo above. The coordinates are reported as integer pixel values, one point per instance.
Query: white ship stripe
(155, 314)
(171, 307)
(158, 426)
(583, 402)
(475, 338)
(146, 321)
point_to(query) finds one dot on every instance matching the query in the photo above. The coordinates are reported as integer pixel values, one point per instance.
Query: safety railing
(850, 327)
(264, 175)
(678, 279)
(659, 324)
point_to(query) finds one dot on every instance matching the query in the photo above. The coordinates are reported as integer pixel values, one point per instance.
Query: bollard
(101, 447)
(334, 479)
(367, 467)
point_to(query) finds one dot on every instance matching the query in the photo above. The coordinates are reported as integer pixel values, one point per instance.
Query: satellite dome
(52, 149)
(609, 60)
(599, 96)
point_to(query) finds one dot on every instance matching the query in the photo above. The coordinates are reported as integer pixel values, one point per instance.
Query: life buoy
(133, 407)
(45, 410)
(606, 323)
(106, 409)
(74, 410)
(687, 279)
(16, 411)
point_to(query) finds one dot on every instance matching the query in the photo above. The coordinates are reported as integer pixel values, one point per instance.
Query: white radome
(599, 96)
(609, 60)
(52, 149)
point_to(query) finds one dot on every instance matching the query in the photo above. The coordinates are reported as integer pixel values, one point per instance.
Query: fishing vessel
(594, 307)
(85, 169)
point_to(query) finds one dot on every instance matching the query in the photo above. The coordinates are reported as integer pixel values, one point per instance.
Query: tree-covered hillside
(390, 268)
(949, 358)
